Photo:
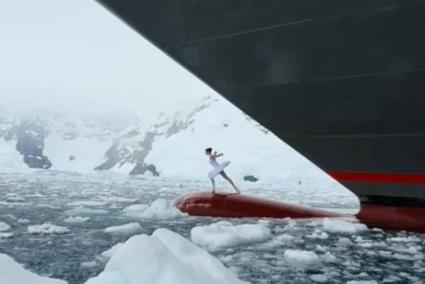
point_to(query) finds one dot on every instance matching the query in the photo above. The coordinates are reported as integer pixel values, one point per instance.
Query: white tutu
(217, 169)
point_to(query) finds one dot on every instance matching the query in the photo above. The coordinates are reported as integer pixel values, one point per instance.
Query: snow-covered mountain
(165, 144)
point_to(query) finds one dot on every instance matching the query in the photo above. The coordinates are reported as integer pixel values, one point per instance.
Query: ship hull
(341, 81)
(245, 206)
(242, 205)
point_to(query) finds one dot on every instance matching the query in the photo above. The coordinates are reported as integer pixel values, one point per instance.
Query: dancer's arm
(217, 155)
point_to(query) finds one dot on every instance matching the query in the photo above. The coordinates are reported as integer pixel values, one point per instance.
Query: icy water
(52, 197)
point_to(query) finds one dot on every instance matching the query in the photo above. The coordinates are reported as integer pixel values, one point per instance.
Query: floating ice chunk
(126, 229)
(6, 235)
(10, 216)
(278, 241)
(46, 228)
(319, 278)
(85, 211)
(404, 239)
(118, 199)
(107, 254)
(135, 210)
(344, 241)
(300, 258)
(317, 234)
(392, 279)
(13, 273)
(159, 209)
(224, 234)
(329, 257)
(23, 221)
(362, 282)
(76, 219)
(342, 226)
(92, 203)
(88, 264)
(14, 197)
(163, 258)
(4, 226)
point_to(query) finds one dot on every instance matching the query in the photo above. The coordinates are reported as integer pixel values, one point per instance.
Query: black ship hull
(341, 81)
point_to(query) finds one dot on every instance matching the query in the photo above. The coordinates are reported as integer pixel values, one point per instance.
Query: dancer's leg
(213, 185)
(223, 174)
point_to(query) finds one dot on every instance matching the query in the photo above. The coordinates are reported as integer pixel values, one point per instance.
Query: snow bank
(342, 226)
(126, 229)
(76, 219)
(163, 258)
(46, 228)
(4, 226)
(13, 273)
(10, 159)
(224, 234)
(300, 258)
(159, 209)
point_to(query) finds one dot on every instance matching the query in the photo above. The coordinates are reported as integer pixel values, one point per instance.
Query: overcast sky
(73, 55)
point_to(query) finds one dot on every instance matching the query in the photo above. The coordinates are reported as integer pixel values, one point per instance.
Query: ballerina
(218, 169)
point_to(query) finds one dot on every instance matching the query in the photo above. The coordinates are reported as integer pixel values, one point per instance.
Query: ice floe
(5, 235)
(342, 226)
(163, 258)
(126, 229)
(135, 210)
(224, 234)
(23, 221)
(300, 258)
(4, 226)
(159, 209)
(85, 211)
(13, 273)
(107, 254)
(319, 278)
(89, 203)
(76, 219)
(46, 228)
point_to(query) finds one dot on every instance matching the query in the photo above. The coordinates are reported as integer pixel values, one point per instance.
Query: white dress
(218, 167)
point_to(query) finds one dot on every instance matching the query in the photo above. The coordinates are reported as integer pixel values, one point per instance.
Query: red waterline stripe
(378, 177)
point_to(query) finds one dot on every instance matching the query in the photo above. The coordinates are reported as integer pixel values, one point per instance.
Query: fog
(75, 56)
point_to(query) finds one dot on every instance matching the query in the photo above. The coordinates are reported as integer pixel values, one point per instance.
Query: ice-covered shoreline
(79, 145)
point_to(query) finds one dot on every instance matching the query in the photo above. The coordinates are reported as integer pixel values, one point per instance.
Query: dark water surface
(52, 197)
